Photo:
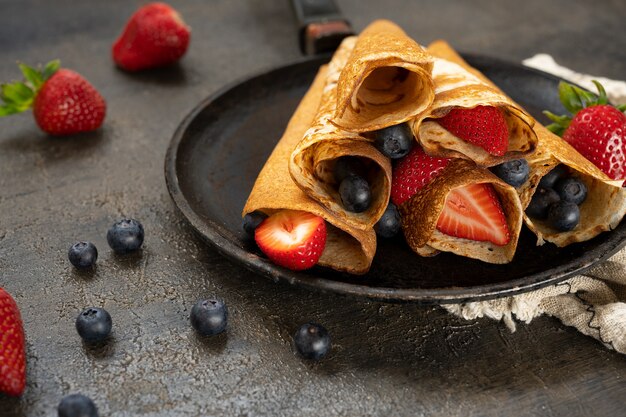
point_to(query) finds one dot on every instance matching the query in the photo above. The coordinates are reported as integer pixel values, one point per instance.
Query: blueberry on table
(348, 165)
(209, 317)
(553, 176)
(83, 255)
(394, 141)
(312, 341)
(355, 194)
(77, 405)
(252, 220)
(514, 173)
(125, 236)
(571, 189)
(94, 324)
(563, 216)
(390, 222)
(543, 197)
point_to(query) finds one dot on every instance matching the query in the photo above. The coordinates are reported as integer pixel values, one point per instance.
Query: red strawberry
(597, 131)
(474, 212)
(12, 352)
(63, 102)
(293, 239)
(154, 36)
(413, 172)
(483, 126)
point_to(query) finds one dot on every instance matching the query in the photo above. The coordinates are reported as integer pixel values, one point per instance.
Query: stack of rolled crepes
(382, 79)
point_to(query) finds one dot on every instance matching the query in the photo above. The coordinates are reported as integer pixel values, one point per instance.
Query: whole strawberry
(155, 36)
(597, 129)
(12, 352)
(63, 102)
(413, 172)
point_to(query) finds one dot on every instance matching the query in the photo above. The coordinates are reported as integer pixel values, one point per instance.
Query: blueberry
(209, 317)
(563, 215)
(125, 236)
(77, 405)
(348, 165)
(543, 197)
(553, 176)
(312, 341)
(83, 255)
(513, 172)
(571, 189)
(252, 220)
(389, 224)
(355, 194)
(394, 141)
(94, 324)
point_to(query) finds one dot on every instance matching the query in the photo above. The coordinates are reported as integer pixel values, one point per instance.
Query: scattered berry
(563, 215)
(63, 102)
(355, 194)
(514, 173)
(312, 341)
(390, 222)
(155, 36)
(125, 236)
(348, 165)
(571, 189)
(252, 220)
(293, 239)
(394, 141)
(542, 199)
(483, 126)
(77, 405)
(413, 172)
(209, 317)
(474, 212)
(94, 324)
(83, 255)
(597, 130)
(12, 350)
(548, 180)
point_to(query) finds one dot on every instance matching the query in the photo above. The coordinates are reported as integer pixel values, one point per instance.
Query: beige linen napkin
(595, 302)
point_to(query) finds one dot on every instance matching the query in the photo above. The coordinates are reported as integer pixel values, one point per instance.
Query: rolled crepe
(313, 160)
(347, 248)
(605, 205)
(456, 87)
(421, 212)
(386, 81)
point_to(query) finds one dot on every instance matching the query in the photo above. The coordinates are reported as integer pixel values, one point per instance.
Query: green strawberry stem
(19, 96)
(575, 99)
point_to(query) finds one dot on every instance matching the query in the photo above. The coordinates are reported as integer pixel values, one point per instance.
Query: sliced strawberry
(474, 212)
(413, 172)
(12, 352)
(483, 126)
(293, 239)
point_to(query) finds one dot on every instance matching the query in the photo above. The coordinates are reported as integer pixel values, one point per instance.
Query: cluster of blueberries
(557, 198)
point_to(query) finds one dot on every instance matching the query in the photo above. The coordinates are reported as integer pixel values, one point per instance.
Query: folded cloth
(595, 302)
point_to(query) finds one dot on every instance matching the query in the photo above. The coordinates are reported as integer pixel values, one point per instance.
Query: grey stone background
(388, 360)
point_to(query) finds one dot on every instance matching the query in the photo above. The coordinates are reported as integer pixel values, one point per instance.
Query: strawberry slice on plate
(12, 351)
(414, 171)
(291, 238)
(474, 212)
(483, 126)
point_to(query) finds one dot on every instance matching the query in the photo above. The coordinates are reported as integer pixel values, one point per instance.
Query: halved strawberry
(483, 126)
(474, 212)
(12, 351)
(291, 238)
(413, 172)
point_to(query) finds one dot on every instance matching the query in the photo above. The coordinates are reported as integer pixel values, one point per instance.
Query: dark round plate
(218, 150)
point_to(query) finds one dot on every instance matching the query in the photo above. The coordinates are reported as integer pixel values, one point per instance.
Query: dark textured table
(388, 360)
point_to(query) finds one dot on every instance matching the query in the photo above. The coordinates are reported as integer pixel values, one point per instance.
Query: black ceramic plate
(218, 150)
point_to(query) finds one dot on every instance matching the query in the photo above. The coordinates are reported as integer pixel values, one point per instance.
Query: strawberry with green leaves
(597, 129)
(63, 102)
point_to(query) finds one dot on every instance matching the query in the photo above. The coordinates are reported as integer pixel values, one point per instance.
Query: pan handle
(321, 26)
